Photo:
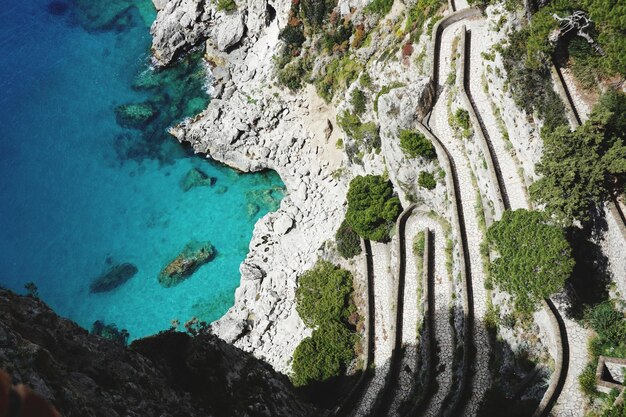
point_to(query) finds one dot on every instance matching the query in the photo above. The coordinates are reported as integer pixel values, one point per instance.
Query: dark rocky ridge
(169, 374)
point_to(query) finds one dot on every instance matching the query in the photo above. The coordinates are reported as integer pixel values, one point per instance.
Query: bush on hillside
(348, 242)
(323, 294)
(372, 207)
(415, 144)
(427, 180)
(534, 259)
(323, 355)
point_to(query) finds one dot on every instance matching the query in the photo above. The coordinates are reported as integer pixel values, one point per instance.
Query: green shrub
(609, 21)
(419, 244)
(324, 301)
(357, 99)
(461, 122)
(372, 207)
(293, 36)
(348, 242)
(415, 144)
(292, 75)
(364, 134)
(580, 168)
(534, 259)
(379, 7)
(386, 89)
(587, 380)
(323, 355)
(316, 11)
(531, 88)
(615, 411)
(366, 81)
(226, 5)
(418, 14)
(609, 323)
(427, 180)
(323, 294)
(340, 73)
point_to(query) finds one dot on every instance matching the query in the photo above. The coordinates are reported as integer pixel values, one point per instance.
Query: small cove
(81, 193)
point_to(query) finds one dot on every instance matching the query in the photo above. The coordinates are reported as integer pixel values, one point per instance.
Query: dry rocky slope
(170, 374)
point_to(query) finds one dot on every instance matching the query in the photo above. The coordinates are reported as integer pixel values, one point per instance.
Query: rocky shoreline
(252, 125)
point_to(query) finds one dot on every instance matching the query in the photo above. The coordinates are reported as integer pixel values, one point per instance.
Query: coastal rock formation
(170, 374)
(180, 25)
(113, 278)
(193, 256)
(196, 178)
(251, 125)
(135, 115)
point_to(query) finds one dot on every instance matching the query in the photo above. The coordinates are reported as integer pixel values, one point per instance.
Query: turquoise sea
(80, 193)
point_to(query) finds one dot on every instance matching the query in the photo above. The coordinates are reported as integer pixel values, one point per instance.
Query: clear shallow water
(70, 204)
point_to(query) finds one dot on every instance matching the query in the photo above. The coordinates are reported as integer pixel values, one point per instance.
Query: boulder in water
(193, 256)
(196, 178)
(113, 278)
(134, 115)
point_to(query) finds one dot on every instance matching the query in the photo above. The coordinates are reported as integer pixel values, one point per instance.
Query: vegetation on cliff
(534, 257)
(581, 169)
(324, 301)
(372, 207)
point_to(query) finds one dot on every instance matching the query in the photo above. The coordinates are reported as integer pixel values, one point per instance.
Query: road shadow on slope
(588, 284)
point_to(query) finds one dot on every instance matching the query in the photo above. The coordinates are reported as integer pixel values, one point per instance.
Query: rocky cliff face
(170, 374)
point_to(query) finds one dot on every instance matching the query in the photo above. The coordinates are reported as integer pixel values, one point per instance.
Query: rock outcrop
(113, 277)
(196, 178)
(193, 256)
(170, 374)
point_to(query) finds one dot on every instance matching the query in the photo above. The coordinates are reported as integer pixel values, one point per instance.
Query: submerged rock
(196, 178)
(194, 255)
(113, 278)
(134, 115)
(110, 332)
(57, 8)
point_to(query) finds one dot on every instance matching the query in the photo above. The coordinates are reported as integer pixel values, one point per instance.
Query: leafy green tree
(323, 294)
(534, 259)
(372, 207)
(348, 242)
(323, 355)
(415, 144)
(582, 168)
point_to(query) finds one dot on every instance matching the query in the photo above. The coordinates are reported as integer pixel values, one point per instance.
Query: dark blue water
(72, 204)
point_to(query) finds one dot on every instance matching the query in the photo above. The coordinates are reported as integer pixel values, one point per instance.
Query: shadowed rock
(135, 115)
(196, 178)
(194, 255)
(113, 278)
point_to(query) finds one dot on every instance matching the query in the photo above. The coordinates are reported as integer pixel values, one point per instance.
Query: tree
(372, 207)
(534, 259)
(582, 168)
(323, 355)
(348, 242)
(323, 294)
(415, 144)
